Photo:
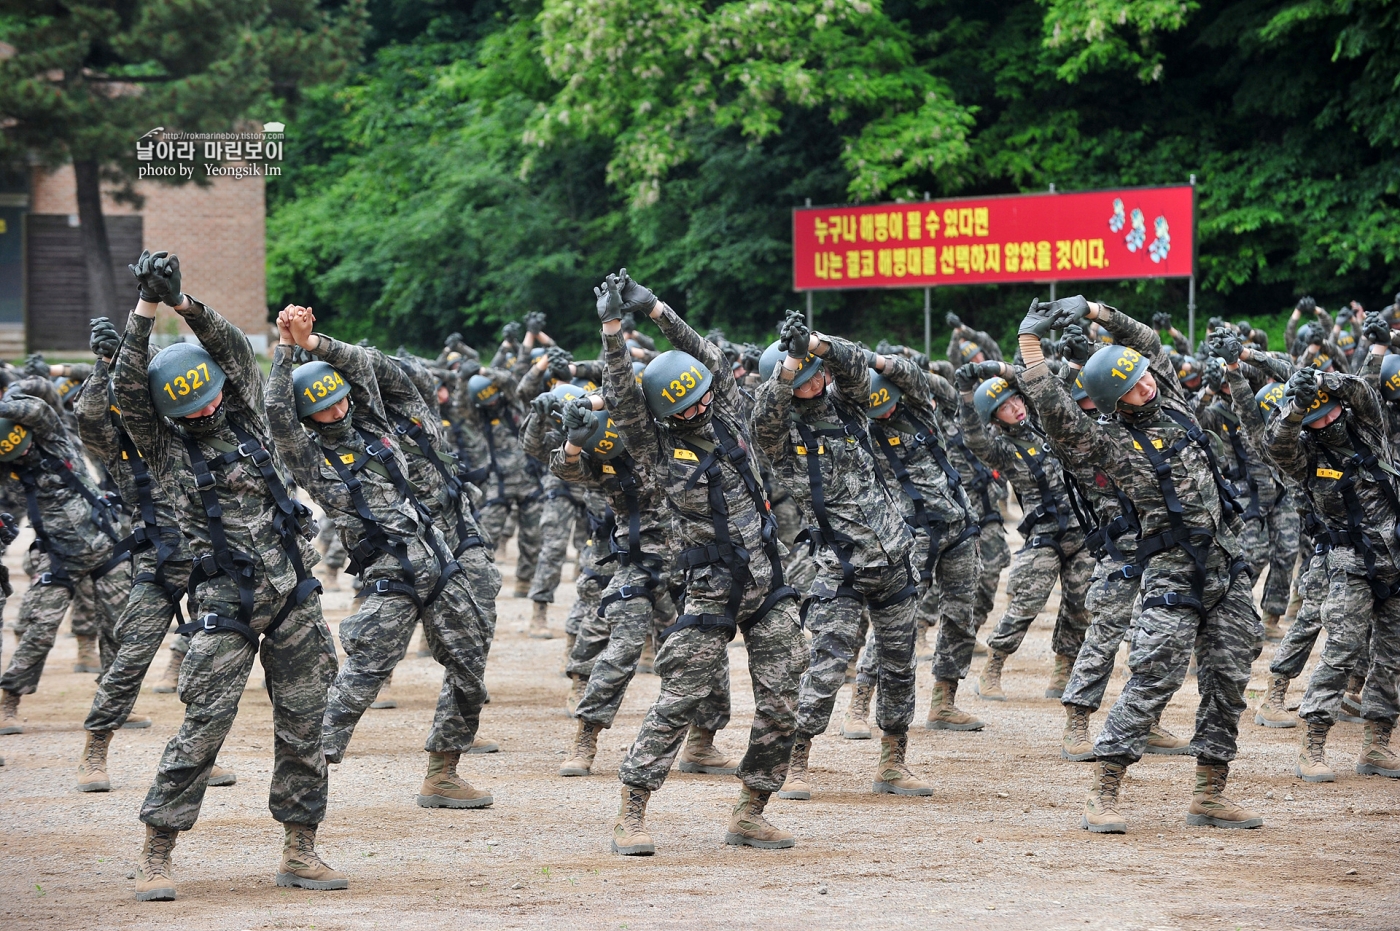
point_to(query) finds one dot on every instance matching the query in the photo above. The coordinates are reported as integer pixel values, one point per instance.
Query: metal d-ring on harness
(224, 560)
(981, 484)
(420, 443)
(147, 534)
(1355, 536)
(733, 556)
(1194, 540)
(1240, 474)
(101, 508)
(1052, 507)
(927, 439)
(630, 486)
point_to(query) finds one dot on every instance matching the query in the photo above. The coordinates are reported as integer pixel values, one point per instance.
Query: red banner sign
(1133, 233)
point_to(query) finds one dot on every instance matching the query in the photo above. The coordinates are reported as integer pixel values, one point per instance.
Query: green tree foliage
(498, 157)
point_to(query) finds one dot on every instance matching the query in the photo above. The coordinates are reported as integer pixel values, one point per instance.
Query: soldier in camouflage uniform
(730, 567)
(1331, 437)
(1054, 548)
(1194, 583)
(162, 567)
(810, 418)
(251, 583)
(77, 537)
(359, 477)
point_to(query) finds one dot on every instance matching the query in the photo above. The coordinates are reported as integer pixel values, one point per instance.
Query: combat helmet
(183, 378)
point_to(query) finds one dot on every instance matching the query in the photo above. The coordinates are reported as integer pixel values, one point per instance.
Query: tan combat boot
(1210, 807)
(384, 700)
(136, 722)
(1272, 630)
(585, 749)
(170, 679)
(154, 882)
(1164, 743)
(539, 622)
(749, 828)
(483, 745)
(569, 641)
(943, 715)
(979, 648)
(1271, 711)
(1351, 701)
(1312, 757)
(630, 837)
(1101, 815)
(1377, 759)
(88, 659)
(988, 683)
(218, 776)
(443, 788)
(856, 724)
(892, 776)
(9, 713)
(577, 687)
(796, 787)
(1076, 745)
(1059, 679)
(647, 664)
(301, 865)
(522, 588)
(92, 769)
(702, 756)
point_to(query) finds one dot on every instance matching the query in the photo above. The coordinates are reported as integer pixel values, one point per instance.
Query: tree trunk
(97, 253)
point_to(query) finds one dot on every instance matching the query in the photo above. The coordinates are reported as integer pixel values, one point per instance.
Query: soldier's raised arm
(624, 396)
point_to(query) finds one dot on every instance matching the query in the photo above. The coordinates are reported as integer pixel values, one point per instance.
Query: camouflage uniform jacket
(535, 382)
(509, 471)
(1103, 496)
(859, 506)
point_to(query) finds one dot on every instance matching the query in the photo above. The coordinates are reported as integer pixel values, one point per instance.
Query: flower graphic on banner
(1163, 243)
(1115, 222)
(1138, 234)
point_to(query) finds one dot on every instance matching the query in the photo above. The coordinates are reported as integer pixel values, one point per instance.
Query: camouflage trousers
(609, 647)
(329, 542)
(139, 631)
(457, 627)
(1297, 645)
(1226, 640)
(527, 509)
(589, 588)
(41, 611)
(799, 567)
(560, 518)
(299, 662)
(996, 556)
(83, 617)
(1284, 529)
(1113, 604)
(834, 621)
(689, 664)
(1351, 615)
(1034, 571)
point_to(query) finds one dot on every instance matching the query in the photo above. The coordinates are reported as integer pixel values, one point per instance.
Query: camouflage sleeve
(847, 365)
(1128, 332)
(532, 383)
(294, 446)
(1277, 364)
(626, 402)
(80, 371)
(952, 353)
(1325, 319)
(503, 352)
(1075, 434)
(1363, 400)
(95, 426)
(772, 405)
(536, 438)
(988, 345)
(230, 348)
(1371, 369)
(575, 473)
(942, 390)
(400, 395)
(506, 380)
(133, 391)
(589, 370)
(995, 453)
(1245, 407)
(1282, 442)
(684, 338)
(1339, 358)
(908, 379)
(356, 367)
(36, 414)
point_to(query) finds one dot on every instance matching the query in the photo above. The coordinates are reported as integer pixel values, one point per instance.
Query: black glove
(1039, 320)
(1377, 331)
(1048, 347)
(920, 361)
(579, 421)
(965, 378)
(512, 333)
(9, 528)
(1214, 375)
(635, 298)
(104, 339)
(1316, 337)
(796, 337)
(986, 370)
(454, 340)
(1214, 323)
(1226, 345)
(1161, 320)
(1344, 316)
(466, 368)
(545, 405)
(953, 320)
(1070, 310)
(1302, 387)
(1307, 305)
(141, 271)
(1245, 328)
(534, 322)
(559, 360)
(35, 365)
(884, 348)
(1076, 347)
(162, 281)
(609, 295)
(750, 356)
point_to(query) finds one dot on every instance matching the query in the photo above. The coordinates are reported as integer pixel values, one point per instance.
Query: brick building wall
(219, 232)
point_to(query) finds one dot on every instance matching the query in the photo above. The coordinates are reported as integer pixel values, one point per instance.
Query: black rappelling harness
(494, 465)
(419, 442)
(982, 479)
(1194, 540)
(1345, 471)
(240, 567)
(630, 486)
(1052, 507)
(733, 556)
(102, 508)
(1240, 474)
(1102, 537)
(148, 534)
(898, 456)
(599, 528)
(378, 458)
